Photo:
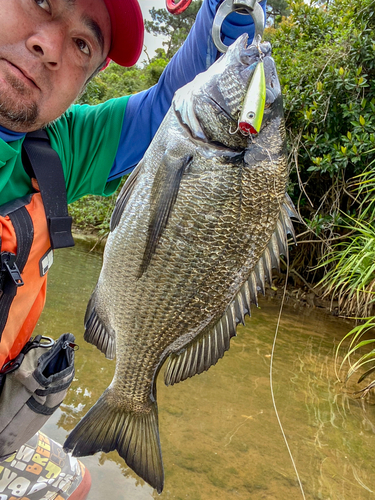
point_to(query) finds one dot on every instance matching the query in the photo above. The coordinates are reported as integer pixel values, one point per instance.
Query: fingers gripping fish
(194, 235)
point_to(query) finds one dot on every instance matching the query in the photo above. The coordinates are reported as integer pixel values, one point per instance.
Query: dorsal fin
(291, 209)
(208, 347)
(274, 249)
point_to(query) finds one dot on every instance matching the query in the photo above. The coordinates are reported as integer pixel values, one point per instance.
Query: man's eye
(43, 4)
(83, 47)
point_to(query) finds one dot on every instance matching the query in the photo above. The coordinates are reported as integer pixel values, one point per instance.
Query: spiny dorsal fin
(252, 282)
(259, 273)
(246, 296)
(287, 223)
(287, 211)
(291, 209)
(274, 249)
(209, 347)
(281, 237)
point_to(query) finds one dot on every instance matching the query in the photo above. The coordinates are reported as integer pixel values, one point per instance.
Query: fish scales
(194, 235)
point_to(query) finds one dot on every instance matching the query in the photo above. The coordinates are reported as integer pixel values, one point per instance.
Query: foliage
(174, 28)
(351, 278)
(276, 10)
(116, 81)
(356, 344)
(326, 63)
(93, 213)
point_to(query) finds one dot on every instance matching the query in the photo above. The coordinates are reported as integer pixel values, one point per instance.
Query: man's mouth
(21, 75)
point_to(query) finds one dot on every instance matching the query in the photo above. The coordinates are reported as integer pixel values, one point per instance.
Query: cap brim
(127, 31)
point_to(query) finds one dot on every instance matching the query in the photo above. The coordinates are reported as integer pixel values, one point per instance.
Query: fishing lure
(251, 116)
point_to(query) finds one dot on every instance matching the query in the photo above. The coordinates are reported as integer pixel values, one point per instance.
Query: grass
(351, 279)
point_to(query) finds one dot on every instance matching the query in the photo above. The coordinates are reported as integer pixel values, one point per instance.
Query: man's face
(48, 50)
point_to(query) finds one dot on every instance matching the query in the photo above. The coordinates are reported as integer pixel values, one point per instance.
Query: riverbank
(300, 293)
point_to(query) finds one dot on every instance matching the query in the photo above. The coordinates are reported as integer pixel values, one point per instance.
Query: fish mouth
(252, 53)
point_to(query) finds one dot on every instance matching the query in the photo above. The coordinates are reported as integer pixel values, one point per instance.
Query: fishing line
(271, 379)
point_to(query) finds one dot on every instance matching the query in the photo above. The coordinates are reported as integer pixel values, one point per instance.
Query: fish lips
(253, 53)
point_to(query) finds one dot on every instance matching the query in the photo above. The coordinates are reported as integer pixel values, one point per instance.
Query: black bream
(195, 232)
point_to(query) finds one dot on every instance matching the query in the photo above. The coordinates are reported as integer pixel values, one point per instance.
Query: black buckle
(8, 264)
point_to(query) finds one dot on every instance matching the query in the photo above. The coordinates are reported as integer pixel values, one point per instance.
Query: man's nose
(48, 44)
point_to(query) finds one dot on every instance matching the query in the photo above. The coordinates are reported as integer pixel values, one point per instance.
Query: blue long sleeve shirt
(146, 110)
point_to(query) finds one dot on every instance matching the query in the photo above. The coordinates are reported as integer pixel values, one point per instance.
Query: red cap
(127, 31)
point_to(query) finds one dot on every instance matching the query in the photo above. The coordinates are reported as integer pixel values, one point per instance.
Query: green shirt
(86, 139)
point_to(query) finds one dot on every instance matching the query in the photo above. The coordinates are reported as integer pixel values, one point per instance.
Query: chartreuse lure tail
(253, 106)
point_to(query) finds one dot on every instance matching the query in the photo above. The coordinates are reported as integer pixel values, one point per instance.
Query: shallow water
(219, 433)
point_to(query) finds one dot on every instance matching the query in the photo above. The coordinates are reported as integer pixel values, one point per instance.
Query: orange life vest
(30, 228)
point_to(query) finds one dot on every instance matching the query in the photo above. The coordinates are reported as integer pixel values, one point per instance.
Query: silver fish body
(194, 235)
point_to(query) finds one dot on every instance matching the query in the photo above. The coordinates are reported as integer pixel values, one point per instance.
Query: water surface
(219, 434)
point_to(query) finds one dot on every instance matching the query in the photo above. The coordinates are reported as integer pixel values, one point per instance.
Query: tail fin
(134, 435)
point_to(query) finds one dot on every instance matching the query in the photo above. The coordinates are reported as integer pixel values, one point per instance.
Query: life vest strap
(41, 160)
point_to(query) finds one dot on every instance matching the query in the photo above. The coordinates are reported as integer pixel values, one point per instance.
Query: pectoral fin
(163, 197)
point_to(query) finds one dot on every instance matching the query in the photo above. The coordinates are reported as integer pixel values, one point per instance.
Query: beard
(17, 112)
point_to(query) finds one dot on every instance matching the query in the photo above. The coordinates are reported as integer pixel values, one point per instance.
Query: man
(49, 50)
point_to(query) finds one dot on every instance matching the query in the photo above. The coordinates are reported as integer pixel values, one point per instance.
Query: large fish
(195, 232)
